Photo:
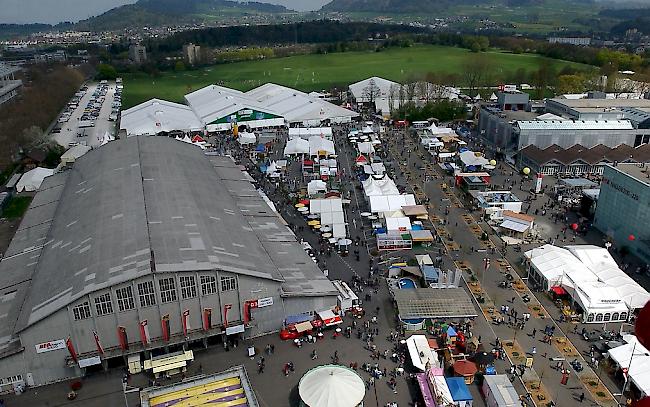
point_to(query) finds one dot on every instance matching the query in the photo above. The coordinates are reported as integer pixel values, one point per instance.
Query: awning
(420, 352)
(329, 318)
(171, 366)
(558, 290)
(518, 227)
(421, 236)
(303, 327)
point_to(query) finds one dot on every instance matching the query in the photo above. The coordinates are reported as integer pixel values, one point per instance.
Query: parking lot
(90, 114)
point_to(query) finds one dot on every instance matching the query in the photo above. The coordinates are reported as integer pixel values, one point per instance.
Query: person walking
(582, 397)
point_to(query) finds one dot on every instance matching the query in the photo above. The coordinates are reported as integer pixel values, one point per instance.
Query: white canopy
(441, 391)
(375, 187)
(366, 147)
(603, 265)
(296, 146)
(331, 386)
(306, 132)
(314, 187)
(75, 152)
(401, 223)
(32, 179)
(470, 158)
(387, 203)
(155, 116)
(246, 138)
(631, 351)
(587, 272)
(420, 352)
(317, 144)
(272, 168)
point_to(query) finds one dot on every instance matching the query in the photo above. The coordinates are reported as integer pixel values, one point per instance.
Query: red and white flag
(226, 308)
(100, 349)
(144, 333)
(186, 322)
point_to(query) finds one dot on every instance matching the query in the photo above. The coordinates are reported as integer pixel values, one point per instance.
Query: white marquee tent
(366, 147)
(331, 386)
(316, 186)
(32, 179)
(296, 146)
(603, 290)
(245, 138)
(388, 203)
(377, 187)
(318, 144)
(306, 132)
(156, 116)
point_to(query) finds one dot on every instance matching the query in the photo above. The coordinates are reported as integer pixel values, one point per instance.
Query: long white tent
(306, 132)
(591, 277)
(32, 179)
(388, 203)
(296, 146)
(157, 116)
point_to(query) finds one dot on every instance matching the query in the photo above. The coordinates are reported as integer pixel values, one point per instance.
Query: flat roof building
(146, 243)
(623, 210)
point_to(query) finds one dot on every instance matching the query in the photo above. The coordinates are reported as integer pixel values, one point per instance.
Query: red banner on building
(100, 349)
(124, 339)
(166, 330)
(144, 332)
(207, 319)
(71, 349)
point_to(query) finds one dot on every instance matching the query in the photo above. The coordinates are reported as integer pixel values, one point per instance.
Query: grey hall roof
(137, 206)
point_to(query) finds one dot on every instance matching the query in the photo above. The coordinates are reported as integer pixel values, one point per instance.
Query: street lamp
(128, 389)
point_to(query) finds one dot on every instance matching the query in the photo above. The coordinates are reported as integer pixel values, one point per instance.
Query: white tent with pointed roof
(331, 386)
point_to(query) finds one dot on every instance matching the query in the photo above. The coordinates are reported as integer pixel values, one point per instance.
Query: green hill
(173, 12)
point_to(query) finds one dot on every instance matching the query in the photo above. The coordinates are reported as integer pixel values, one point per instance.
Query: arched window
(623, 316)
(590, 318)
(599, 317)
(615, 316)
(607, 317)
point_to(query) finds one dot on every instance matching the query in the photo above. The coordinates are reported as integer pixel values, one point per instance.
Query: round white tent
(331, 386)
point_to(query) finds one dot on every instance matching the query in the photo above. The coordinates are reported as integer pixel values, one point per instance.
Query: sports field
(317, 72)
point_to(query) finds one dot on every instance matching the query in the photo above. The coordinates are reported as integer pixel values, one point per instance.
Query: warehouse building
(579, 160)
(623, 210)
(145, 246)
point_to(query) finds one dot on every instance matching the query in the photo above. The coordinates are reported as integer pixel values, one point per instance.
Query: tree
(106, 71)
(179, 66)
(475, 71)
(570, 84)
(371, 92)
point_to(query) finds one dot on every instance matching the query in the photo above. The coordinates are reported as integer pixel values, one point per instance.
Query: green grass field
(317, 72)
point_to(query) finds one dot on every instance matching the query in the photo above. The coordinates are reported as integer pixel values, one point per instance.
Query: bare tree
(475, 71)
(371, 92)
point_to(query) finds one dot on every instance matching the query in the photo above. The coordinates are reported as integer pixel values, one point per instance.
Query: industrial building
(579, 160)
(146, 245)
(589, 122)
(623, 210)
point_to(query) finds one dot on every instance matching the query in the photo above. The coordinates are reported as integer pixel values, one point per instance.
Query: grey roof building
(140, 233)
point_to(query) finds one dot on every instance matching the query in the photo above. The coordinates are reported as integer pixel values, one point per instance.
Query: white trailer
(347, 299)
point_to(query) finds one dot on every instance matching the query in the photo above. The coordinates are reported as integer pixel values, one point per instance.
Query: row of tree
(22, 122)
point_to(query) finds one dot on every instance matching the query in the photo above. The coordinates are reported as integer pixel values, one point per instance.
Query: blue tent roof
(260, 148)
(451, 331)
(458, 389)
(430, 273)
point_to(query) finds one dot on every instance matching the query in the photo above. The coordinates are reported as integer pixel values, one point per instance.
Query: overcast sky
(55, 11)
